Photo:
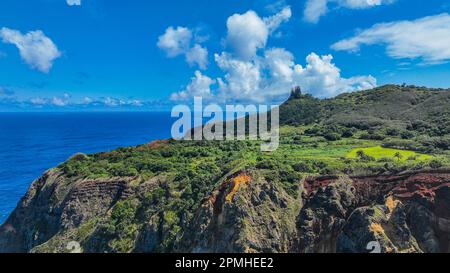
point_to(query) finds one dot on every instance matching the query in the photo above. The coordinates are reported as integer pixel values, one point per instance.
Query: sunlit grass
(379, 152)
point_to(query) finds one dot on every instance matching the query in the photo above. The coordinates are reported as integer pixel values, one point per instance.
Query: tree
(407, 135)
(398, 155)
(330, 136)
(436, 164)
(347, 133)
(364, 157)
(296, 93)
(361, 154)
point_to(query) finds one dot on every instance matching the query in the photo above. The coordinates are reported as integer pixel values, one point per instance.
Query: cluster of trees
(424, 144)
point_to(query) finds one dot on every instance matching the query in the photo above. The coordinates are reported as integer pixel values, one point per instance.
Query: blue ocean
(31, 143)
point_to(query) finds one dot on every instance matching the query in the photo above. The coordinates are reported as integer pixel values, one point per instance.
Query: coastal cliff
(404, 213)
(366, 171)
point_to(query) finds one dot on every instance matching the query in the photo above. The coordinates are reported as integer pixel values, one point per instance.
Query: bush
(385, 160)
(313, 131)
(407, 135)
(436, 164)
(320, 165)
(266, 165)
(168, 153)
(392, 131)
(332, 136)
(372, 136)
(303, 167)
(364, 157)
(347, 134)
(289, 176)
(79, 157)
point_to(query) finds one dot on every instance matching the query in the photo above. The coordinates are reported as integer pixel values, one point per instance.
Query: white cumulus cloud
(175, 41)
(197, 55)
(314, 9)
(73, 2)
(36, 49)
(241, 79)
(427, 38)
(251, 72)
(322, 78)
(200, 86)
(248, 32)
(274, 22)
(38, 101)
(269, 78)
(280, 63)
(178, 41)
(61, 101)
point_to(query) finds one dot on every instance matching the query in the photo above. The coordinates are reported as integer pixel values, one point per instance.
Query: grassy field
(317, 155)
(298, 154)
(379, 152)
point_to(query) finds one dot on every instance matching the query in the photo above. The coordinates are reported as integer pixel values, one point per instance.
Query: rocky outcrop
(324, 215)
(401, 213)
(246, 212)
(54, 204)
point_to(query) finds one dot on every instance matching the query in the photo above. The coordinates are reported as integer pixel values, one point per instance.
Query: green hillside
(388, 130)
(402, 117)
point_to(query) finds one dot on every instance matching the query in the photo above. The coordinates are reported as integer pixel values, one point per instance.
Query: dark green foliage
(330, 136)
(323, 132)
(300, 110)
(362, 156)
(303, 167)
(399, 108)
(296, 93)
(424, 144)
(392, 132)
(122, 227)
(407, 134)
(436, 164)
(348, 133)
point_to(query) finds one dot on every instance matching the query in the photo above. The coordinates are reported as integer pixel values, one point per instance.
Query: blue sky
(148, 55)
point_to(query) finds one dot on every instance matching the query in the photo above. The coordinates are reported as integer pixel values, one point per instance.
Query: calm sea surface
(31, 143)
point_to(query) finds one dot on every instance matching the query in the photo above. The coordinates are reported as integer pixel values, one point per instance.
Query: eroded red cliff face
(399, 213)
(408, 212)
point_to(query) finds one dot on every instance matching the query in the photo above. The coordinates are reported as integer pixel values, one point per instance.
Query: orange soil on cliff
(238, 181)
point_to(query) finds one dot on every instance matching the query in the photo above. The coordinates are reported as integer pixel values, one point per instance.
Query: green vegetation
(379, 152)
(386, 130)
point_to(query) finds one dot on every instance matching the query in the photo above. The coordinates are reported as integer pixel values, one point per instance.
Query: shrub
(320, 165)
(266, 164)
(168, 153)
(332, 136)
(372, 136)
(347, 134)
(364, 157)
(79, 157)
(436, 164)
(303, 167)
(407, 135)
(392, 131)
(385, 160)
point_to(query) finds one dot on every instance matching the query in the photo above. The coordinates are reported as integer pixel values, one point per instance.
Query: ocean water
(31, 143)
